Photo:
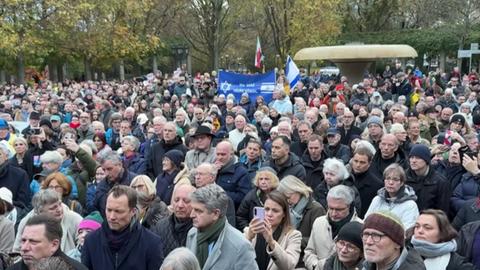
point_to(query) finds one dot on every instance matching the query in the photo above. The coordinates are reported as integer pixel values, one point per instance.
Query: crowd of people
(169, 173)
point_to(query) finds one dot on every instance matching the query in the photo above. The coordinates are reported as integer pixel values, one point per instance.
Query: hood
(404, 194)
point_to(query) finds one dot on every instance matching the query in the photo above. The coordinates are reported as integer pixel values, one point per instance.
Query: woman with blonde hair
(150, 208)
(264, 181)
(303, 208)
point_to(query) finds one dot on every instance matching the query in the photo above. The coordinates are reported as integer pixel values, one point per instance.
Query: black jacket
(452, 172)
(367, 185)
(433, 190)
(245, 210)
(154, 164)
(16, 180)
(379, 164)
(314, 173)
(339, 151)
(172, 232)
(468, 213)
(347, 135)
(466, 238)
(104, 187)
(291, 167)
(458, 262)
(27, 164)
(321, 191)
(142, 251)
(73, 263)
(298, 148)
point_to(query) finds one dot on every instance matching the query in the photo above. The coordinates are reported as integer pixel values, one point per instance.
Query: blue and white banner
(255, 85)
(292, 73)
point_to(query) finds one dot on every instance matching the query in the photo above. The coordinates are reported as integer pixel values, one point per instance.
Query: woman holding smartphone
(276, 242)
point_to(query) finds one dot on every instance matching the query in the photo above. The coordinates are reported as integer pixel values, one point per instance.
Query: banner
(255, 85)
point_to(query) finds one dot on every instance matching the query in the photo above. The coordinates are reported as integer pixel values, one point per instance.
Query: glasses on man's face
(342, 244)
(392, 178)
(374, 236)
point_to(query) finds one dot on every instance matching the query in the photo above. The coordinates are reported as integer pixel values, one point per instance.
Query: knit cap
(351, 232)
(387, 223)
(176, 157)
(421, 151)
(92, 222)
(375, 120)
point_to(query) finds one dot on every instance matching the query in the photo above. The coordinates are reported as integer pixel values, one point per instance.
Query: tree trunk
(121, 70)
(20, 68)
(443, 61)
(3, 76)
(88, 69)
(53, 72)
(64, 72)
(155, 65)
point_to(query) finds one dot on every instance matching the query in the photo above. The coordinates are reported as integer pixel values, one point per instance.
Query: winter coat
(314, 174)
(321, 244)
(135, 164)
(452, 172)
(379, 164)
(193, 158)
(154, 162)
(312, 211)
(367, 185)
(245, 210)
(26, 165)
(348, 135)
(7, 234)
(156, 211)
(70, 222)
(165, 187)
(299, 148)
(320, 194)
(468, 213)
(235, 181)
(71, 262)
(231, 250)
(458, 262)
(85, 135)
(83, 175)
(143, 251)
(292, 166)
(252, 168)
(104, 187)
(338, 151)
(17, 181)
(466, 238)
(331, 260)
(409, 260)
(171, 235)
(403, 206)
(466, 190)
(286, 253)
(432, 190)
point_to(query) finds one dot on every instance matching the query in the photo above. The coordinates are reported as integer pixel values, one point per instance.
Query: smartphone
(259, 212)
(36, 131)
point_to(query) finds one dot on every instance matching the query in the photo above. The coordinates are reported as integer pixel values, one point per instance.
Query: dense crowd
(166, 172)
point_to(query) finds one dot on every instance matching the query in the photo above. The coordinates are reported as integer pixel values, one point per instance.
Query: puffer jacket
(403, 205)
(245, 210)
(466, 190)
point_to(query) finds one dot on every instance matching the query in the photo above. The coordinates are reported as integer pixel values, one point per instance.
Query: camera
(34, 131)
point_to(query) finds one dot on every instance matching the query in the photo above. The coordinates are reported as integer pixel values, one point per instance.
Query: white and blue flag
(292, 72)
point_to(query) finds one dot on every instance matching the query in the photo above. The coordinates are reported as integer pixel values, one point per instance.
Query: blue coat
(235, 181)
(104, 187)
(465, 191)
(143, 251)
(136, 165)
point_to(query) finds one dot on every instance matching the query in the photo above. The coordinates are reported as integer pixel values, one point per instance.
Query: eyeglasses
(375, 237)
(342, 244)
(58, 188)
(394, 179)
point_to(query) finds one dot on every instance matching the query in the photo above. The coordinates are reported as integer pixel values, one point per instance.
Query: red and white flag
(258, 55)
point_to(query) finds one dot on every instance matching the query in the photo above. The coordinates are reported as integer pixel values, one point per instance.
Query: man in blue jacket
(122, 242)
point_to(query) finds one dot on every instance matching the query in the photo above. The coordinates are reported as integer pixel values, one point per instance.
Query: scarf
(296, 212)
(338, 265)
(431, 250)
(118, 239)
(262, 258)
(206, 237)
(337, 225)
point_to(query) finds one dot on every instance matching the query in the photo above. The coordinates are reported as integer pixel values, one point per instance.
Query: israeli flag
(292, 72)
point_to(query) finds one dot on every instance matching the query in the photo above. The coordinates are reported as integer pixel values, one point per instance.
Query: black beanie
(351, 232)
(175, 156)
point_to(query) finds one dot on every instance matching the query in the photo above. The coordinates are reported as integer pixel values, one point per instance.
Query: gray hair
(134, 141)
(341, 192)
(180, 259)
(291, 184)
(43, 198)
(5, 149)
(211, 168)
(51, 156)
(337, 166)
(110, 156)
(213, 197)
(89, 146)
(267, 121)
